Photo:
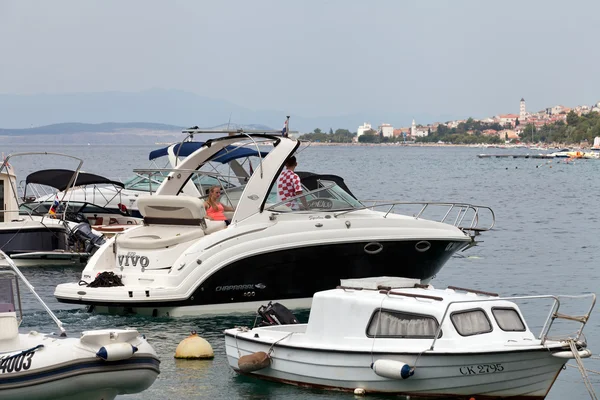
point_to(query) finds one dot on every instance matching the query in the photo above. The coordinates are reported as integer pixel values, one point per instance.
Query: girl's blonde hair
(210, 201)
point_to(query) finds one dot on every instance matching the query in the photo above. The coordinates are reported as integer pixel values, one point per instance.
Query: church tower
(413, 129)
(522, 111)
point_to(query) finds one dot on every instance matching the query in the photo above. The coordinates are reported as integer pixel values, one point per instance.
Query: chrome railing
(462, 215)
(552, 316)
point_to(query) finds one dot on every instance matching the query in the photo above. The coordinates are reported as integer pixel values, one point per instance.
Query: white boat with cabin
(390, 335)
(178, 263)
(97, 365)
(41, 239)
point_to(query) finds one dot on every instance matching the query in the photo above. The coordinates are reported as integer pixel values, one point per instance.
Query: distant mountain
(172, 108)
(108, 132)
(79, 128)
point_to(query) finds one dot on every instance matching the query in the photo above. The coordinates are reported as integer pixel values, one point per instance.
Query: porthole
(422, 246)
(373, 248)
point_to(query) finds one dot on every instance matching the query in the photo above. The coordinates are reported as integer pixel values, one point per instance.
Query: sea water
(546, 241)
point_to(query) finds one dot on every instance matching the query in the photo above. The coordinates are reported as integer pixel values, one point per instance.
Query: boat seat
(9, 326)
(213, 226)
(172, 210)
(154, 237)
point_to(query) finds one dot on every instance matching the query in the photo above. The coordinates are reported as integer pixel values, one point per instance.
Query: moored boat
(179, 263)
(393, 335)
(42, 239)
(100, 364)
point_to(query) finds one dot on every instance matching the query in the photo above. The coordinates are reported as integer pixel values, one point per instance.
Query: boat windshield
(328, 196)
(144, 183)
(151, 184)
(74, 207)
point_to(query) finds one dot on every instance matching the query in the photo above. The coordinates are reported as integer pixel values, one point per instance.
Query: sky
(312, 57)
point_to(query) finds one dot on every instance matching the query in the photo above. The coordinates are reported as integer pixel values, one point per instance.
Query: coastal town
(556, 125)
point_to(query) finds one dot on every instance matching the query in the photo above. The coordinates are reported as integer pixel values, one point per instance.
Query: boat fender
(392, 369)
(254, 362)
(585, 353)
(116, 351)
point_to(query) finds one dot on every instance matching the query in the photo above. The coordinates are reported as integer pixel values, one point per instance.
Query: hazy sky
(313, 58)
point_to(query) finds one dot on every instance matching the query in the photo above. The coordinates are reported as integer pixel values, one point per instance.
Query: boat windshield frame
(6, 166)
(319, 203)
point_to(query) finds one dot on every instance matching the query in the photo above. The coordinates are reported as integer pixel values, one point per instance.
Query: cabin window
(508, 319)
(386, 323)
(471, 322)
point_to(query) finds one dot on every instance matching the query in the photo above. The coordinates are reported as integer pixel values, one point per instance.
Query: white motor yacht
(97, 365)
(179, 263)
(393, 335)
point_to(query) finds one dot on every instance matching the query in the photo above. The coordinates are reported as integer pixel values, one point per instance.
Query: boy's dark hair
(290, 162)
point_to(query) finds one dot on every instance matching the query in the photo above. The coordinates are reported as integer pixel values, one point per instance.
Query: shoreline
(552, 146)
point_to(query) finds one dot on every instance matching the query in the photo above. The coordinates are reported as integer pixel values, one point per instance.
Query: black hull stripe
(18, 380)
(296, 273)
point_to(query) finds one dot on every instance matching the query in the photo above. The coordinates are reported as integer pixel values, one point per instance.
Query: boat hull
(37, 366)
(516, 374)
(30, 236)
(48, 258)
(33, 244)
(79, 381)
(288, 274)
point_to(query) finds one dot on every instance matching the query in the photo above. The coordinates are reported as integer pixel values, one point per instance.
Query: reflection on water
(545, 242)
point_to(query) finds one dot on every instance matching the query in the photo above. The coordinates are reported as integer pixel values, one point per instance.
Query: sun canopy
(227, 154)
(60, 178)
(310, 180)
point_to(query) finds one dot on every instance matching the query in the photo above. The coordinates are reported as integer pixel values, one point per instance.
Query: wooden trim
(474, 291)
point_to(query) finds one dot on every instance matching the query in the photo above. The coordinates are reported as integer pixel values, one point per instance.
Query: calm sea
(546, 241)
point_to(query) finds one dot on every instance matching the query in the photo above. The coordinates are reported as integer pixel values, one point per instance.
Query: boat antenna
(228, 122)
(11, 263)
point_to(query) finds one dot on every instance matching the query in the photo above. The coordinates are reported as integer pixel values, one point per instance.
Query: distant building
(508, 119)
(362, 129)
(522, 111)
(418, 131)
(386, 130)
(507, 134)
(560, 109)
(402, 132)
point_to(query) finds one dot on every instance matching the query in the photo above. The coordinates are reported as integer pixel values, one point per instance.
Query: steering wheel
(320, 204)
(75, 217)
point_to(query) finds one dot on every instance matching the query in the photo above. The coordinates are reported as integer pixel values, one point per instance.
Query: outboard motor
(83, 233)
(276, 314)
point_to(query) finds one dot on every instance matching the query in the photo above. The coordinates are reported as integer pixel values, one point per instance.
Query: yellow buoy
(194, 347)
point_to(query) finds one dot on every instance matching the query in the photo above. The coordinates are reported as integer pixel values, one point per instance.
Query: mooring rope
(582, 370)
(587, 369)
(277, 341)
(241, 329)
(31, 350)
